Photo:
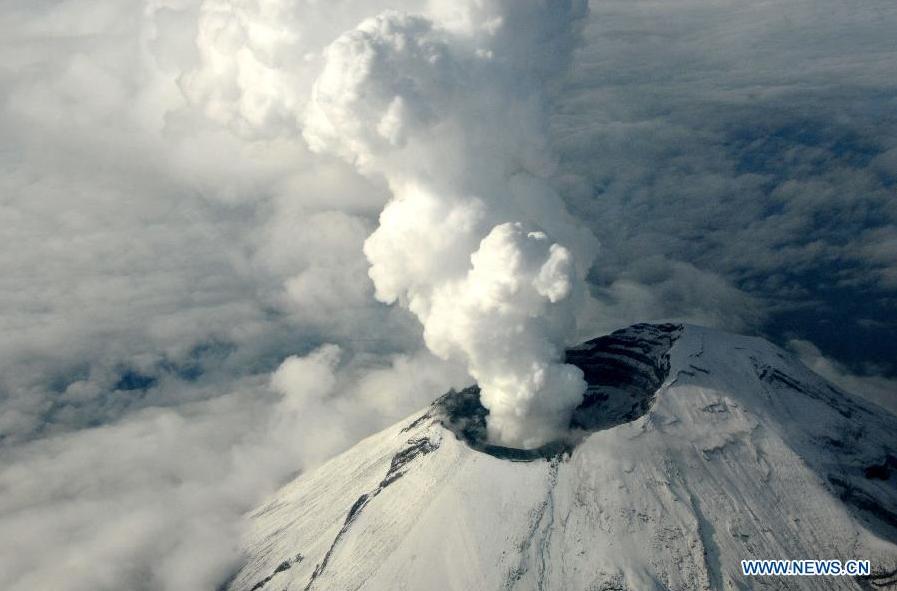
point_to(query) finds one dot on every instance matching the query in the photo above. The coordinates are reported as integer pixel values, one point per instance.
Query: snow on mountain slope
(696, 449)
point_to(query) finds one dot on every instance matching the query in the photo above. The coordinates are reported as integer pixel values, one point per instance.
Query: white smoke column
(452, 112)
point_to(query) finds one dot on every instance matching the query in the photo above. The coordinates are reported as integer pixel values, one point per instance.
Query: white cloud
(453, 116)
(169, 238)
(875, 388)
(155, 500)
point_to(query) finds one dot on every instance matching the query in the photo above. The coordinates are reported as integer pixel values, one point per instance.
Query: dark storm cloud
(755, 142)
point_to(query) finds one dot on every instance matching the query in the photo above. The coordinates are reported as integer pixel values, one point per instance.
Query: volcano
(693, 449)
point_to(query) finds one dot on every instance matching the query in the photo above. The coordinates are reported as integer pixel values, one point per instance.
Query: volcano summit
(692, 450)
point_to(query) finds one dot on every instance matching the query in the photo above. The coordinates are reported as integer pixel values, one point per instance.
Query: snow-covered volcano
(694, 449)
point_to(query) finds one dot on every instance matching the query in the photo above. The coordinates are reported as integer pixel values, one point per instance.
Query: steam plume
(452, 112)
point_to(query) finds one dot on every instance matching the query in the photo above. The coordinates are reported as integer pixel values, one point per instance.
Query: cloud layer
(171, 241)
(748, 149)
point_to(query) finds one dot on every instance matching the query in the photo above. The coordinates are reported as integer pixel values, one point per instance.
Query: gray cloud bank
(186, 311)
(750, 148)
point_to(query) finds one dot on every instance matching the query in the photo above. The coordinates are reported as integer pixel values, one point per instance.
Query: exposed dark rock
(623, 370)
(882, 471)
(415, 449)
(879, 579)
(883, 519)
(283, 566)
(827, 395)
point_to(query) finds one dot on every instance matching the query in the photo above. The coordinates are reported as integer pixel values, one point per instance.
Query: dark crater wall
(623, 370)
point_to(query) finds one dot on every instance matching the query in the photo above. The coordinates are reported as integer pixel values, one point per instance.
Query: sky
(186, 313)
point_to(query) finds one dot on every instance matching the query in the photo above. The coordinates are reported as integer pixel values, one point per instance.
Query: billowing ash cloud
(452, 112)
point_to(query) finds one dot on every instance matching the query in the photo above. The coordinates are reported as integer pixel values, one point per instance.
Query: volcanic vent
(624, 371)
